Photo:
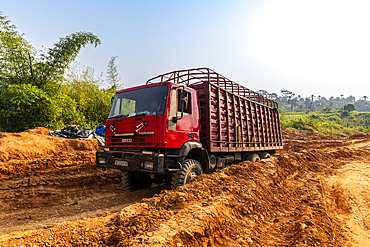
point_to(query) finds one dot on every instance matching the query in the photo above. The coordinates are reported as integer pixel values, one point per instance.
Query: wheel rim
(191, 176)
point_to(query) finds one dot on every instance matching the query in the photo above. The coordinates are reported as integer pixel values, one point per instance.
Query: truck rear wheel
(265, 155)
(190, 169)
(132, 181)
(253, 157)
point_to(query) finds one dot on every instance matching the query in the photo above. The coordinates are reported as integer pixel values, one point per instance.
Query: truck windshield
(140, 102)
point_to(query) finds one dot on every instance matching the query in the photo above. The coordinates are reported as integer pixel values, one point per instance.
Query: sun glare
(320, 40)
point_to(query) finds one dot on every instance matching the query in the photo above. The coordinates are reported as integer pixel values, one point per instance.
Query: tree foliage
(112, 76)
(349, 107)
(21, 64)
(31, 83)
(15, 54)
(24, 106)
(91, 100)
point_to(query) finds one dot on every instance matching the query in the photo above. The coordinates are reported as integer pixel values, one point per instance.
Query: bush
(65, 112)
(344, 114)
(23, 107)
(300, 124)
(334, 118)
(314, 116)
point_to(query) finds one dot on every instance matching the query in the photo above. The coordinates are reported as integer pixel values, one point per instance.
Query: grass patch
(338, 123)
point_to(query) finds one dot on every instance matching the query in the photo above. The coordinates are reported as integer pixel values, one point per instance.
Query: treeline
(340, 116)
(44, 89)
(289, 101)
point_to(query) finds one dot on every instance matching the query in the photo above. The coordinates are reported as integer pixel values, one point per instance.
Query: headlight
(102, 160)
(148, 165)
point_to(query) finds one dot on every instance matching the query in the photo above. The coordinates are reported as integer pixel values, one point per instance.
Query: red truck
(185, 123)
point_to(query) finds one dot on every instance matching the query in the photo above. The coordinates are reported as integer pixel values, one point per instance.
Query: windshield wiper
(141, 114)
(138, 114)
(145, 113)
(119, 116)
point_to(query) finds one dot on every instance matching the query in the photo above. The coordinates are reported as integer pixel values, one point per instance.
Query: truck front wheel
(127, 182)
(190, 169)
(132, 181)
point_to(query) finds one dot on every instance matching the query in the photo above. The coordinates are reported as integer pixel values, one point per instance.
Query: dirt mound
(38, 131)
(360, 136)
(35, 150)
(298, 197)
(300, 140)
(45, 180)
(305, 135)
(279, 202)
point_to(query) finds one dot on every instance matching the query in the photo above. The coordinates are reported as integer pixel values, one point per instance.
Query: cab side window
(184, 101)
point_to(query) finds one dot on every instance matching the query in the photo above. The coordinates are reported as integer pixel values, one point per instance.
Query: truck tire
(253, 157)
(126, 181)
(190, 169)
(132, 181)
(265, 155)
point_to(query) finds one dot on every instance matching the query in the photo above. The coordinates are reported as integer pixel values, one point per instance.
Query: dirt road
(316, 192)
(48, 180)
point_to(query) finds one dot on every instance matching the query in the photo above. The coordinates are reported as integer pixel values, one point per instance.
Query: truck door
(183, 117)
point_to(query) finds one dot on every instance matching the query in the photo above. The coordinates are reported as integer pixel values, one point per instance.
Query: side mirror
(174, 119)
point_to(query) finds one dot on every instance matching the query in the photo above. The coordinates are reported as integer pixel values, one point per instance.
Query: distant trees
(327, 109)
(362, 105)
(289, 102)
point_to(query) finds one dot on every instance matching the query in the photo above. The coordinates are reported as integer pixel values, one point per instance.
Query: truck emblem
(112, 128)
(140, 126)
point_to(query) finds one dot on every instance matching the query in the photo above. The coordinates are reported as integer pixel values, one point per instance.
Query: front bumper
(131, 161)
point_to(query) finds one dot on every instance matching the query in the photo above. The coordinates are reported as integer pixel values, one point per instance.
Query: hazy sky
(319, 47)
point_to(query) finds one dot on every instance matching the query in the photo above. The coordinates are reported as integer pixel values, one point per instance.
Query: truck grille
(134, 141)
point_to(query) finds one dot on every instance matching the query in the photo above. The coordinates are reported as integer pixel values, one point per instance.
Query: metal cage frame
(197, 76)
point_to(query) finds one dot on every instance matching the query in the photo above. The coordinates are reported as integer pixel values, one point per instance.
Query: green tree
(112, 76)
(16, 54)
(20, 64)
(349, 107)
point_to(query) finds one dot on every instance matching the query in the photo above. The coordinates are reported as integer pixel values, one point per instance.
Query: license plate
(121, 163)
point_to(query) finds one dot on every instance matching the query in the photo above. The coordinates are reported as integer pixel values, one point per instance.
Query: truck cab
(150, 129)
